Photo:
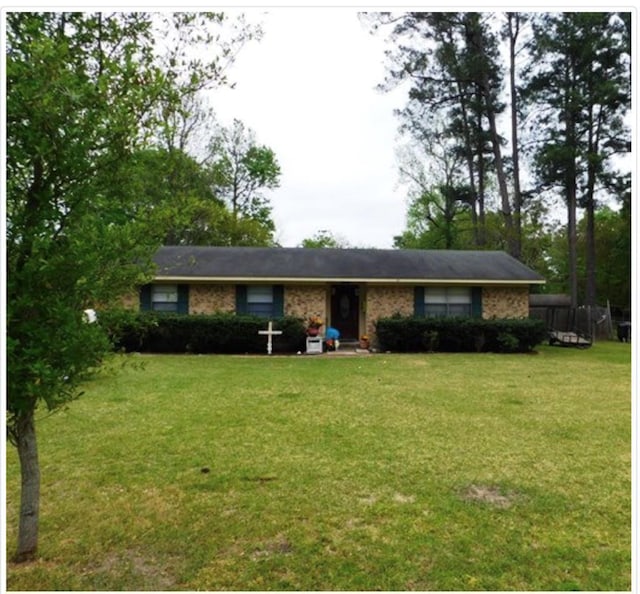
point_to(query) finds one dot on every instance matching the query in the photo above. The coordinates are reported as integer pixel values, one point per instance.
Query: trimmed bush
(414, 334)
(222, 333)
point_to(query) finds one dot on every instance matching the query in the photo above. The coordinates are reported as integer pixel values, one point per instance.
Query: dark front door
(345, 308)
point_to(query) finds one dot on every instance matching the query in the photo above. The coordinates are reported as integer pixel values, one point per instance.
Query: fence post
(610, 320)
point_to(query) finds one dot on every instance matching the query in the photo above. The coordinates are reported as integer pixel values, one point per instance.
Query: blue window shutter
(278, 301)
(241, 299)
(476, 302)
(145, 298)
(183, 299)
(418, 301)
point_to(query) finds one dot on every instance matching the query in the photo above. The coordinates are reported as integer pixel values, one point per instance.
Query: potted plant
(313, 328)
(364, 342)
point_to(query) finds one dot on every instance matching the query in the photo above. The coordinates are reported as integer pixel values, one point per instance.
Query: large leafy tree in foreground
(84, 92)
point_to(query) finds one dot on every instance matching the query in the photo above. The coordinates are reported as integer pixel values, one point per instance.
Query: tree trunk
(30, 488)
(572, 236)
(591, 292)
(592, 172)
(482, 222)
(497, 154)
(570, 118)
(468, 153)
(514, 28)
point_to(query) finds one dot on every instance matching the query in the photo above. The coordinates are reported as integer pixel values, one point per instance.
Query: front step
(349, 347)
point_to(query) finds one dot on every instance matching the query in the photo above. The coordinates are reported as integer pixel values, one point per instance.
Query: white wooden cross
(270, 333)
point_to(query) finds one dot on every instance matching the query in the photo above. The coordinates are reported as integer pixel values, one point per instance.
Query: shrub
(413, 334)
(217, 333)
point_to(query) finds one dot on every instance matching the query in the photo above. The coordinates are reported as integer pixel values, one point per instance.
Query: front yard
(381, 472)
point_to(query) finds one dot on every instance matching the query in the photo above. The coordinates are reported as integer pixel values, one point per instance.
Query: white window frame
(448, 302)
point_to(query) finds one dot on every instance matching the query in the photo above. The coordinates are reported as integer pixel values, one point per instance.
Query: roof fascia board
(371, 281)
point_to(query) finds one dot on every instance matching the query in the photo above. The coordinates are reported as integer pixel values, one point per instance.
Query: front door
(345, 310)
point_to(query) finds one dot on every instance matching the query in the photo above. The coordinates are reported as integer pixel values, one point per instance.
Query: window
(164, 297)
(447, 301)
(266, 301)
(260, 300)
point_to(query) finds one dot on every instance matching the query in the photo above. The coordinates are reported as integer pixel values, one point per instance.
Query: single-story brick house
(348, 288)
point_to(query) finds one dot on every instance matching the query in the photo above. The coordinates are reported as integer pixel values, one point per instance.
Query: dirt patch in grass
(488, 494)
(278, 546)
(145, 573)
(400, 498)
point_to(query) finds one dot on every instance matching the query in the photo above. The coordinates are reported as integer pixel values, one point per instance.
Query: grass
(384, 472)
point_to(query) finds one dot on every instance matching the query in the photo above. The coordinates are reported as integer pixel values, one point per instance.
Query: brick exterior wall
(302, 301)
(383, 302)
(299, 301)
(208, 299)
(505, 302)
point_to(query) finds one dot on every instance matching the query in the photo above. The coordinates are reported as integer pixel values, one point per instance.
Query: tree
(431, 171)
(176, 200)
(324, 239)
(436, 221)
(451, 61)
(242, 169)
(581, 82)
(84, 92)
(512, 30)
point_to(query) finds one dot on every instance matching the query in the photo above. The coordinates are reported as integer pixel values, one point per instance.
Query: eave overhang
(337, 280)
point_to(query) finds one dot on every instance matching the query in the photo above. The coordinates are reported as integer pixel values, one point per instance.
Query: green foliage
(242, 170)
(176, 201)
(324, 239)
(613, 273)
(216, 333)
(414, 334)
(85, 93)
(579, 81)
(434, 220)
(574, 95)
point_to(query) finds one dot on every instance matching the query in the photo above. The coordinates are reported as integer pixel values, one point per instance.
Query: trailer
(569, 339)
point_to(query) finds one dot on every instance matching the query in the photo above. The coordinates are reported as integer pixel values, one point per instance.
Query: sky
(308, 91)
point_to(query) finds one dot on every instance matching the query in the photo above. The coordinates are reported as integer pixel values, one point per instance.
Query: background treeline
(518, 136)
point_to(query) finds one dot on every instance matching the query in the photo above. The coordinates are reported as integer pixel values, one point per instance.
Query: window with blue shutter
(183, 299)
(418, 301)
(165, 298)
(476, 302)
(278, 301)
(145, 298)
(241, 299)
(266, 301)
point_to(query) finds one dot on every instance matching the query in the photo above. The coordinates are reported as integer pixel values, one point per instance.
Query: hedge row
(218, 333)
(412, 334)
(229, 333)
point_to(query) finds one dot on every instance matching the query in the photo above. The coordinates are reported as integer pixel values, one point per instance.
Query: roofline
(372, 281)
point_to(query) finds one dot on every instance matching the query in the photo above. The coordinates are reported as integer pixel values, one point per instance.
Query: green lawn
(382, 472)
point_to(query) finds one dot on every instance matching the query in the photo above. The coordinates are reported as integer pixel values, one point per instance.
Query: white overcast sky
(307, 89)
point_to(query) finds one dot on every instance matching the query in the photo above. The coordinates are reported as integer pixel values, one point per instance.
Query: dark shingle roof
(374, 265)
